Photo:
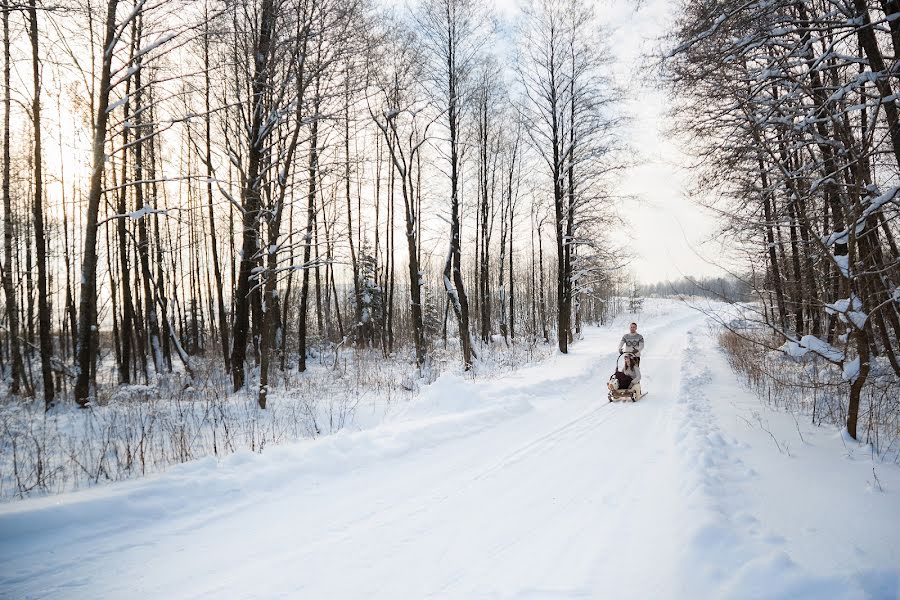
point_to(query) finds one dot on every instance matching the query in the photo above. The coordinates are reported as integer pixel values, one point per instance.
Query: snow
(529, 485)
(874, 205)
(849, 309)
(810, 343)
(144, 211)
(858, 318)
(843, 263)
(116, 104)
(163, 39)
(851, 370)
(839, 306)
(878, 203)
(837, 237)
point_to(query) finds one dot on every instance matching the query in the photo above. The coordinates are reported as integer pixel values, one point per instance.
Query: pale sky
(671, 232)
(667, 231)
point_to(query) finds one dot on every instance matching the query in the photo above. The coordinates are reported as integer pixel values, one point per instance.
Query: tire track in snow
(583, 423)
(532, 504)
(584, 467)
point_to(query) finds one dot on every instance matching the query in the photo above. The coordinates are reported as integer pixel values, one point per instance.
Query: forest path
(531, 485)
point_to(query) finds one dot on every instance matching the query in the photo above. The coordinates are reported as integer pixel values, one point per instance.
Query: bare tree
(259, 111)
(569, 127)
(399, 115)
(12, 313)
(46, 341)
(452, 31)
(88, 304)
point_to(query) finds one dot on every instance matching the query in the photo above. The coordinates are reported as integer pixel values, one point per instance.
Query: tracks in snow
(554, 501)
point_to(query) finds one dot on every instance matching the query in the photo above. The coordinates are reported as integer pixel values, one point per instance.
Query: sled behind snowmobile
(632, 392)
(629, 395)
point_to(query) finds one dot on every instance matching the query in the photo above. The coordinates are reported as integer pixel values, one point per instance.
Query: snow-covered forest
(204, 198)
(365, 261)
(794, 108)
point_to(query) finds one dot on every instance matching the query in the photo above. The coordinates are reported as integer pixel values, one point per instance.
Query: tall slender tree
(12, 313)
(452, 31)
(87, 311)
(44, 325)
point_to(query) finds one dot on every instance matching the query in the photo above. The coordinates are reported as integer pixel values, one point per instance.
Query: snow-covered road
(527, 486)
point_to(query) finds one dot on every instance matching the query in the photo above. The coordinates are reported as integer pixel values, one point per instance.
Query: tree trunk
(45, 333)
(512, 290)
(484, 258)
(543, 300)
(286, 301)
(251, 193)
(391, 273)
(353, 263)
(122, 231)
(453, 281)
(321, 325)
(869, 42)
(162, 303)
(12, 313)
(88, 302)
(310, 223)
(272, 311)
(415, 273)
(770, 241)
(798, 273)
(862, 346)
(150, 302)
(534, 291)
(501, 278)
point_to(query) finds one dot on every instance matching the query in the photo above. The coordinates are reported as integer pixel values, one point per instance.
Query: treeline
(197, 186)
(728, 289)
(794, 107)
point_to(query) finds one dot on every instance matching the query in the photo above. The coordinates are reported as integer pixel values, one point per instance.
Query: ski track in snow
(529, 486)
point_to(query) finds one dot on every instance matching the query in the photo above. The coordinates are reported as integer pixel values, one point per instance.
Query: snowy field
(529, 485)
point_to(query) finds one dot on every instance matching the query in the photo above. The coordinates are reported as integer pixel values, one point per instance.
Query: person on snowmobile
(633, 343)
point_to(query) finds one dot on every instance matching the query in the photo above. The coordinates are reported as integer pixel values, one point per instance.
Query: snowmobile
(621, 387)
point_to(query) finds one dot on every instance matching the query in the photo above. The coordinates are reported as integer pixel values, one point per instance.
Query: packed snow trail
(527, 486)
